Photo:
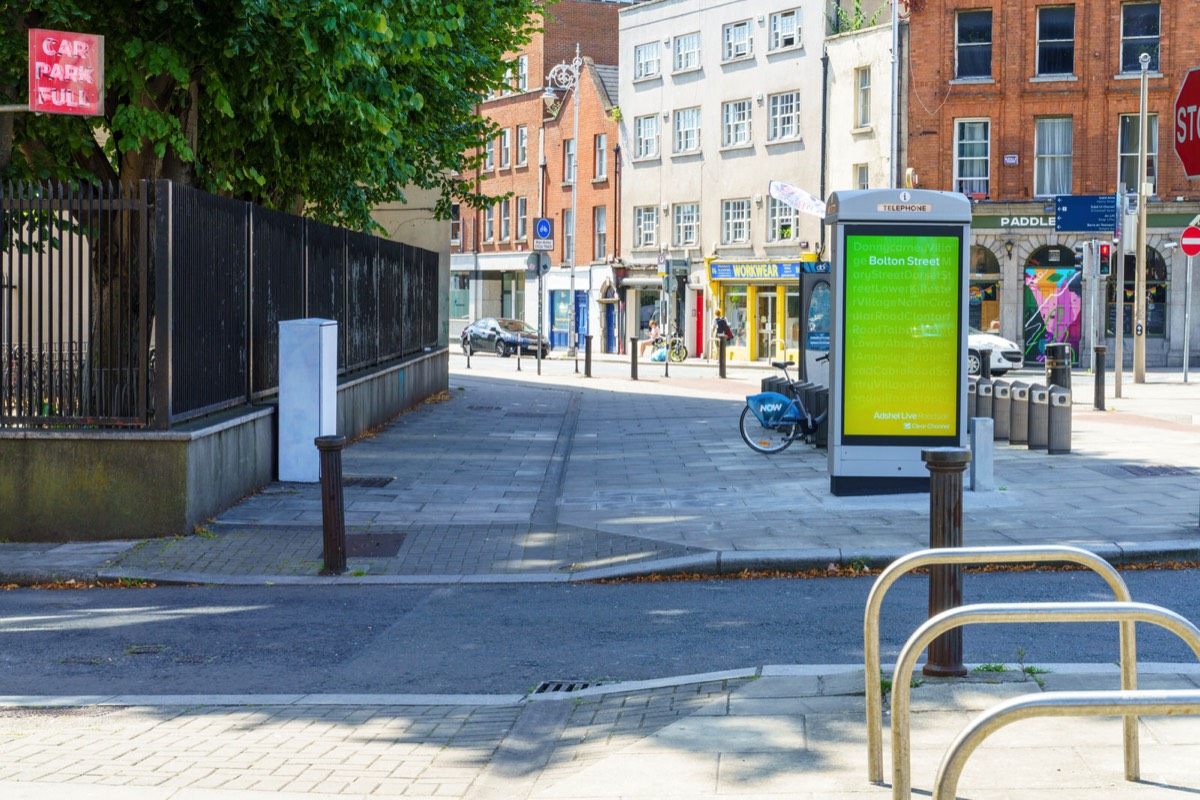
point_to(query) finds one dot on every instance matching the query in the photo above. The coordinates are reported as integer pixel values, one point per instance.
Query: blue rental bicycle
(772, 421)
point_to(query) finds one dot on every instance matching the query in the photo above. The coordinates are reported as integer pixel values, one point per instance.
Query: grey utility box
(1058, 435)
(307, 395)
(1039, 418)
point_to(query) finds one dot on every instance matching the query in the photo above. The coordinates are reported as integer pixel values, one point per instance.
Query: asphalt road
(502, 638)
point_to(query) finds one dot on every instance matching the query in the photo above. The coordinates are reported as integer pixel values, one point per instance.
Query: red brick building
(490, 248)
(1017, 103)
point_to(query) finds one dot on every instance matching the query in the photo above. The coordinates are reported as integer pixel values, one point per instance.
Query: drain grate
(374, 545)
(561, 687)
(371, 481)
(1155, 471)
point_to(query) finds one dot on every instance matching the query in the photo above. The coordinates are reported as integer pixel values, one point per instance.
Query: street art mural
(1053, 310)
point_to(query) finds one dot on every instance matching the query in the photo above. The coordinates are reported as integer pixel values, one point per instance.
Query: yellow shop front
(762, 302)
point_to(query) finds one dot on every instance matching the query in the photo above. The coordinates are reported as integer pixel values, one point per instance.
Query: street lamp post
(1139, 284)
(565, 76)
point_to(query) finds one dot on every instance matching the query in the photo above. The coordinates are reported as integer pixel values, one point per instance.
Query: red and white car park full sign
(66, 73)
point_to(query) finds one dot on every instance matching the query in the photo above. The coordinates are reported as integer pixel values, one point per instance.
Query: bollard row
(1036, 415)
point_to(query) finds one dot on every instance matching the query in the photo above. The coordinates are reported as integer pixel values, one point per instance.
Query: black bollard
(633, 357)
(587, 356)
(721, 342)
(333, 506)
(985, 363)
(946, 467)
(1098, 397)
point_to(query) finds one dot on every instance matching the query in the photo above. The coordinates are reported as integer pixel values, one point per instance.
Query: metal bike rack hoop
(980, 555)
(1176, 702)
(1007, 613)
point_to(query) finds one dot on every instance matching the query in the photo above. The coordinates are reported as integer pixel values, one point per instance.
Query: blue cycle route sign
(543, 234)
(1085, 213)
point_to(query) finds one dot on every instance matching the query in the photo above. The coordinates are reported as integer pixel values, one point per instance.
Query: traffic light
(1105, 257)
(1080, 255)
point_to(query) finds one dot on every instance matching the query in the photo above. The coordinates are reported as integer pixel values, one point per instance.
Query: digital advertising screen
(902, 310)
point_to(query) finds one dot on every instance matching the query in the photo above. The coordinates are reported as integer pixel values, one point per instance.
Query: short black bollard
(721, 356)
(985, 364)
(1098, 397)
(946, 467)
(1058, 364)
(333, 506)
(633, 357)
(587, 356)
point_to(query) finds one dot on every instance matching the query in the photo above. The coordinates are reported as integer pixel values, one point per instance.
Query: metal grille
(555, 687)
(1156, 471)
(370, 481)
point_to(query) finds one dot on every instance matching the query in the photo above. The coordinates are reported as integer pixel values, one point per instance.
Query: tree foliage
(328, 105)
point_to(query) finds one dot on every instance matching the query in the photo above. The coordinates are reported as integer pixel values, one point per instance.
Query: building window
(687, 52)
(737, 43)
(568, 235)
(1056, 40)
(645, 130)
(522, 219)
(1139, 34)
(569, 161)
(600, 232)
(489, 223)
(862, 94)
(686, 224)
(735, 221)
(489, 158)
(781, 221)
(645, 226)
(736, 128)
(785, 29)
(522, 73)
(1128, 168)
(972, 154)
(687, 130)
(862, 176)
(973, 55)
(505, 148)
(522, 145)
(784, 111)
(645, 61)
(504, 221)
(1052, 167)
(601, 156)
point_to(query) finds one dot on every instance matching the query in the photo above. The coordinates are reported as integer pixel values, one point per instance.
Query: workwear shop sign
(66, 73)
(902, 305)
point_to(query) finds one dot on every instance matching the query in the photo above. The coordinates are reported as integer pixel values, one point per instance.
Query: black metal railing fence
(151, 305)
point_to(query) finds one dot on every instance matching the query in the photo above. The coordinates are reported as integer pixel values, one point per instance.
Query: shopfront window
(460, 294)
(512, 295)
(735, 313)
(791, 320)
(649, 308)
(1156, 296)
(984, 301)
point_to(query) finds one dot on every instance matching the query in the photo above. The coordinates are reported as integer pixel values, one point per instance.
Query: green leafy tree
(330, 106)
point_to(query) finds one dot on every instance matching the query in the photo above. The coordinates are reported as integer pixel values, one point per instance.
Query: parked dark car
(502, 337)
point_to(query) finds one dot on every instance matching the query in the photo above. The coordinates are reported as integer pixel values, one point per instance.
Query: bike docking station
(899, 336)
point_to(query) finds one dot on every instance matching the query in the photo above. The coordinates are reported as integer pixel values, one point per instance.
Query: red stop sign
(1187, 123)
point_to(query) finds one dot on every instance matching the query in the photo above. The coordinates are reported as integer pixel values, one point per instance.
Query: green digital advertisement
(902, 308)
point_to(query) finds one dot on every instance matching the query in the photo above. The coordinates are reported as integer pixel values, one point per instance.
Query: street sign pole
(1189, 243)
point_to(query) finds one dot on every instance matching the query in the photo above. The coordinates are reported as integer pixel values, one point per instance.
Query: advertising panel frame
(876, 436)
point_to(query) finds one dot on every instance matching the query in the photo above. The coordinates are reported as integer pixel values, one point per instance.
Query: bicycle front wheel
(765, 439)
(678, 353)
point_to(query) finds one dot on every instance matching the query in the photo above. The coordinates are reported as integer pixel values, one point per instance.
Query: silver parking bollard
(1001, 408)
(1018, 414)
(1039, 418)
(1058, 423)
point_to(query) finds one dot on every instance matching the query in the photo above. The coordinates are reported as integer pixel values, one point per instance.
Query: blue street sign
(1088, 213)
(543, 228)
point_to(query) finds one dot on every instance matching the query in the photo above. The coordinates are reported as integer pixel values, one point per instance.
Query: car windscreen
(517, 326)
